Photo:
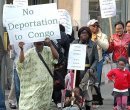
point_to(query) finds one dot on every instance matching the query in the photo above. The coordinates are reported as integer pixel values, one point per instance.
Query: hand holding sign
(48, 42)
(21, 44)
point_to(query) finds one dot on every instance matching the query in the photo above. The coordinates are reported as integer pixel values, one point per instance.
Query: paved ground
(108, 99)
(106, 93)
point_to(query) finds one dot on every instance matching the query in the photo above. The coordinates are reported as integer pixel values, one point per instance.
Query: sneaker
(59, 105)
(12, 106)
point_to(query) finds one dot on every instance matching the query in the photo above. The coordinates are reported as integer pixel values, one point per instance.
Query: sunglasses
(94, 25)
(39, 43)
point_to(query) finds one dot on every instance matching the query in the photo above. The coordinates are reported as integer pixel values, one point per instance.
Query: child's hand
(110, 81)
(72, 98)
(113, 81)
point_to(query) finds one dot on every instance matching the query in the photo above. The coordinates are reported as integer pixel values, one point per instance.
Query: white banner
(20, 2)
(108, 8)
(31, 23)
(65, 20)
(77, 56)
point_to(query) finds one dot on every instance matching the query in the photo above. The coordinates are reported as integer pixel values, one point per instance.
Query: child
(69, 79)
(120, 77)
(77, 100)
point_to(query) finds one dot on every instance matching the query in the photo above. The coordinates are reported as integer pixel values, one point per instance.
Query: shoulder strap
(41, 58)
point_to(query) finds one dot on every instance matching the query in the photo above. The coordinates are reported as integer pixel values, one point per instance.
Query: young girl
(120, 77)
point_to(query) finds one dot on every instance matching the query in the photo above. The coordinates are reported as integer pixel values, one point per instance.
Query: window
(9, 1)
(33, 2)
(94, 11)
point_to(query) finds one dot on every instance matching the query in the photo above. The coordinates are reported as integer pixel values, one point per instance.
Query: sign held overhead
(108, 8)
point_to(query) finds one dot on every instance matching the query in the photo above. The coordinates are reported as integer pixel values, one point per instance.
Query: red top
(119, 46)
(120, 77)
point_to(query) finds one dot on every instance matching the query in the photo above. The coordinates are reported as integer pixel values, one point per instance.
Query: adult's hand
(90, 71)
(21, 57)
(48, 42)
(9, 47)
(21, 44)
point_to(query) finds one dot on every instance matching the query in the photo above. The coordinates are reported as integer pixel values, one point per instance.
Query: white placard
(77, 56)
(20, 2)
(108, 8)
(65, 20)
(31, 23)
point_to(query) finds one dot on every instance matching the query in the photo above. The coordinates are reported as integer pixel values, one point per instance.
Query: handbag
(41, 58)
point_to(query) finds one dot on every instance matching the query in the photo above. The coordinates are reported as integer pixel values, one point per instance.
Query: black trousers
(128, 101)
(97, 99)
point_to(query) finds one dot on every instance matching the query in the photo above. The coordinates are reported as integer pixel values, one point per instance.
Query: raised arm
(21, 56)
(53, 50)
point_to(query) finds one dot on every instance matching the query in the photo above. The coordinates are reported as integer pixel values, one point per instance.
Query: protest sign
(20, 2)
(65, 20)
(31, 23)
(77, 56)
(108, 8)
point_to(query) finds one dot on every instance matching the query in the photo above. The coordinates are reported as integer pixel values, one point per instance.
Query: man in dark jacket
(62, 46)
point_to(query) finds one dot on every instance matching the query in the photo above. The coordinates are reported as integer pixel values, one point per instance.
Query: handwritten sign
(20, 2)
(65, 20)
(31, 23)
(77, 56)
(108, 8)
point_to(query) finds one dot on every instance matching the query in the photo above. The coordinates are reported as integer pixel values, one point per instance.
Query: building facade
(83, 10)
(80, 10)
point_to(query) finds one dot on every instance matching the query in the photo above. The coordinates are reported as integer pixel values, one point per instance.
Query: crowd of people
(40, 76)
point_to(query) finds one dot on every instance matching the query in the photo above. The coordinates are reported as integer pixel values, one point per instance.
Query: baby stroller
(89, 87)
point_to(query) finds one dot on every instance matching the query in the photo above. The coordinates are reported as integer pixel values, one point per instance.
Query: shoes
(59, 105)
(12, 106)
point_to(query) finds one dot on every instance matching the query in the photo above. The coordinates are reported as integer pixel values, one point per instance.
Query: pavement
(106, 91)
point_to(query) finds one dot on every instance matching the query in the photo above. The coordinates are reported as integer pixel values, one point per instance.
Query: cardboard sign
(77, 56)
(20, 2)
(31, 23)
(65, 20)
(108, 8)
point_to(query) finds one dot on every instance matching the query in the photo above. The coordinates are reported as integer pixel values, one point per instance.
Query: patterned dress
(36, 84)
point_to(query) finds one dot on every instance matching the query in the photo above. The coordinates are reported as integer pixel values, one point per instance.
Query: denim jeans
(99, 70)
(2, 100)
(17, 84)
